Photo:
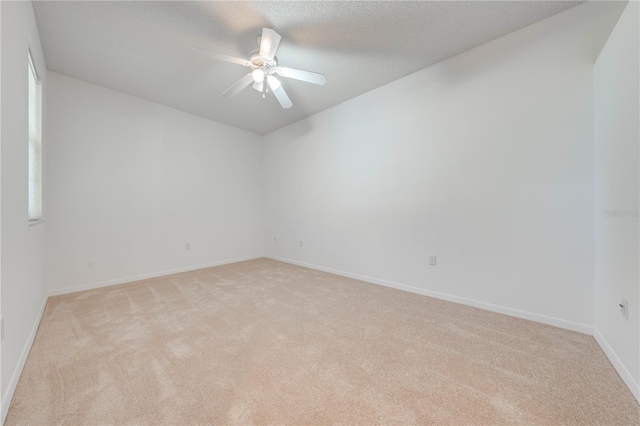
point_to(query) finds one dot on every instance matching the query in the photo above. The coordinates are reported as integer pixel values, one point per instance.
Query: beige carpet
(270, 343)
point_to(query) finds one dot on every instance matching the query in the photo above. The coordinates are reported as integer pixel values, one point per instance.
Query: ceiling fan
(264, 64)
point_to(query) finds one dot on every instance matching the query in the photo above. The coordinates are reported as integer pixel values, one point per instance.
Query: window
(35, 145)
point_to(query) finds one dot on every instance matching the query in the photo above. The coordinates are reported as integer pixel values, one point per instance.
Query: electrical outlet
(432, 260)
(187, 246)
(2, 329)
(301, 243)
(624, 309)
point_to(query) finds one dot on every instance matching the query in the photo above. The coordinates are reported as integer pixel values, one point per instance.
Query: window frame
(34, 144)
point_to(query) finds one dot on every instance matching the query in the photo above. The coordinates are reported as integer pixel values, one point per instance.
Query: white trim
(569, 325)
(626, 377)
(32, 65)
(556, 322)
(6, 398)
(34, 210)
(92, 286)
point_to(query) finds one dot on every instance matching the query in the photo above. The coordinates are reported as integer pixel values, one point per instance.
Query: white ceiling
(142, 48)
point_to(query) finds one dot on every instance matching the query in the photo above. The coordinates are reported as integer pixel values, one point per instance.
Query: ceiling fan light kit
(258, 75)
(264, 64)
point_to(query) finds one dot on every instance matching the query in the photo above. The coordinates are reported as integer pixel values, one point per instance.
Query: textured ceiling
(142, 48)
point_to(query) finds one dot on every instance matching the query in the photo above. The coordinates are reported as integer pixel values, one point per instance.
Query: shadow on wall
(299, 129)
(493, 55)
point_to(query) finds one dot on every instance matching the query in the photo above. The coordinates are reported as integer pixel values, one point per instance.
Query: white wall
(130, 182)
(617, 272)
(485, 160)
(22, 247)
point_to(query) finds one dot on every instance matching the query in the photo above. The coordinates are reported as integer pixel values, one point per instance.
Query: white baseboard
(556, 322)
(626, 377)
(578, 327)
(6, 398)
(92, 286)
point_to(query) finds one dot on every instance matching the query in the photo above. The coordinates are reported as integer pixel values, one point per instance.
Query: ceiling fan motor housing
(258, 61)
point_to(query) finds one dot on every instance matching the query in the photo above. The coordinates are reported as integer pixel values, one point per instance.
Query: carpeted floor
(270, 343)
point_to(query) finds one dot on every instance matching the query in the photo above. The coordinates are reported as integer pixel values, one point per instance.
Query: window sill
(35, 222)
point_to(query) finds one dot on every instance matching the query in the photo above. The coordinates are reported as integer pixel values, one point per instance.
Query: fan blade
(279, 92)
(258, 86)
(221, 56)
(308, 76)
(239, 85)
(269, 42)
